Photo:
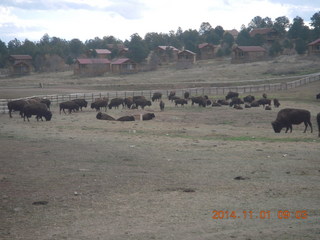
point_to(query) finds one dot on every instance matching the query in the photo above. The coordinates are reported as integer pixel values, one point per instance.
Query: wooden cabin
(20, 64)
(124, 65)
(242, 54)
(99, 53)
(167, 54)
(207, 51)
(187, 56)
(314, 47)
(91, 66)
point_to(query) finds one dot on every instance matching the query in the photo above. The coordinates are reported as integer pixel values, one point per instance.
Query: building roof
(262, 31)
(314, 42)
(165, 47)
(102, 51)
(86, 61)
(187, 51)
(120, 61)
(21, 57)
(251, 48)
(202, 45)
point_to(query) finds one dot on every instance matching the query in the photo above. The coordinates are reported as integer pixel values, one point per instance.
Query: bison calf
(104, 116)
(288, 116)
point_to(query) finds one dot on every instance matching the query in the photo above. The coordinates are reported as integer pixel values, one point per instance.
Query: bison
(38, 109)
(81, 103)
(235, 101)
(161, 105)
(231, 95)
(186, 95)
(222, 102)
(104, 116)
(116, 102)
(288, 116)
(318, 96)
(171, 95)
(276, 103)
(142, 103)
(16, 105)
(267, 108)
(318, 121)
(255, 104)
(249, 99)
(264, 101)
(180, 102)
(216, 104)
(100, 103)
(70, 105)
(148, 116)
(126, 118)
(156, 96)
(128, 102)
(202, 101)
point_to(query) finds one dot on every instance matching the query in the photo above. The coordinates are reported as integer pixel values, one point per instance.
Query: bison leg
(306, 123)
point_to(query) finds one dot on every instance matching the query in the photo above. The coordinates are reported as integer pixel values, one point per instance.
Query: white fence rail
(211, 91)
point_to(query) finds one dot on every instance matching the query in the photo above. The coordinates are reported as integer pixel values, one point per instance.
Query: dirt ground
(76, 177)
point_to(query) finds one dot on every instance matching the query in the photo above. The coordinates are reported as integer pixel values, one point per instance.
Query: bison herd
(40, 107)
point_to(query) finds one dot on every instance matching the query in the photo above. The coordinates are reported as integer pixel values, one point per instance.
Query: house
(207, 51)
(100, 53)
(187, 56)
(20, 64)
(314, 47)
(268, 34)
(167, 54)
(91, 66)
(242, 54)
(123, 65)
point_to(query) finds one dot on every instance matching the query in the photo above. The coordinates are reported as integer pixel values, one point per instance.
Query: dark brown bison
(104, 116)
(38, 109)
(47, 102)
(318, 121)
(232, 95)
(216, 104)
(100, 103)
(126, 118)
(247, 106)
(156, 96)
(223, 102)
(276, 103)
(81, 103)
(249, 99)
(171, 95)
(186, 95)
(264, 101)
(142, 103)
(116, 102)
(70, 105)
(161, 105)
(267, 108)
(135, 98)
(148, 116)
(16, 105)
(264, 95)
(128, 102)
(255, 104)
(235, 101)
(238, 107)
(180, 101)
(289, 116)
(201, 100)
(318, 96)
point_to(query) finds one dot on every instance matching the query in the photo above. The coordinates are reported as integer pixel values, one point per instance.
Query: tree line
(295, 35)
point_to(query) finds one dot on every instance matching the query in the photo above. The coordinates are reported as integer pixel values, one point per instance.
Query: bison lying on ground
(70, 105)
(126, 118)
(148, 116)
(223, 102)
(38, 109)
(16, 105)
(104, 116)
(288, 116)
(318, 121)
(156, 96)
(231, 95)
(81, 103)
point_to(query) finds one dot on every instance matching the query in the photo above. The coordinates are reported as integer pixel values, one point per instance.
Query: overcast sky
(87, 19)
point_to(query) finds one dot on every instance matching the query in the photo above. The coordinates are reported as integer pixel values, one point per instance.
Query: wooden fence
(211, 91)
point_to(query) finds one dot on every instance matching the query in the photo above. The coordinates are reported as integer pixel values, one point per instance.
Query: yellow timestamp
(263, 214)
